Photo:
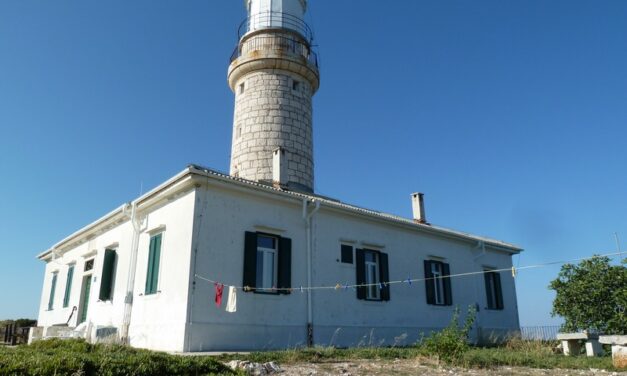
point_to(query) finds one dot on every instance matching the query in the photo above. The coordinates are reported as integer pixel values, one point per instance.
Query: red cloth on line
(219, 290)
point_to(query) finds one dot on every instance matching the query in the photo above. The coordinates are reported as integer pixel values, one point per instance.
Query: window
(267, 263)
(372, 275)
(295, 85)
(53, 287)
(239, 131)
(347, 254)
(493, 289)
(89, 265)
(437, 283)
(242, 87)
(68, 286)
(108, 275)
(154, 256)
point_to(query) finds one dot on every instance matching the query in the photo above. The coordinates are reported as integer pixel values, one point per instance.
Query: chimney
(279, 168)
(418, 206)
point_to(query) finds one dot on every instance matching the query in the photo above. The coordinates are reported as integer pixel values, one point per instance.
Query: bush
(451, 343)
(77, 357)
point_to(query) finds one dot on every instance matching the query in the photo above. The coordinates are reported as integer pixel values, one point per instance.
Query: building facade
(306, 269)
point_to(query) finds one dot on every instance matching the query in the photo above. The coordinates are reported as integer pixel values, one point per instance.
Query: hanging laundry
(219, 289)
(231, 304)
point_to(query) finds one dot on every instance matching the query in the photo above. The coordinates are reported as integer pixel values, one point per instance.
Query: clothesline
(408, 280)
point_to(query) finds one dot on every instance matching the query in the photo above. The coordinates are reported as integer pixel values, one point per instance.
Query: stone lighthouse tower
(274, 75)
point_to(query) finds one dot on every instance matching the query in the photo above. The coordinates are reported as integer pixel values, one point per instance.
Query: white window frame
(372, 275)
(275, 258)
(438, 283)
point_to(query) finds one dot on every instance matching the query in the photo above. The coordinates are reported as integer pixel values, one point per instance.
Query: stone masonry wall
(272, 111)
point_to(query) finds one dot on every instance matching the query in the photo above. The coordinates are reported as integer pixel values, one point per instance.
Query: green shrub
(450, 343)
(76, 357)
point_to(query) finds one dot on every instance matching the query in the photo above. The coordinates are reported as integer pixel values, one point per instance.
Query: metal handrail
(269, 20)
(276, 43)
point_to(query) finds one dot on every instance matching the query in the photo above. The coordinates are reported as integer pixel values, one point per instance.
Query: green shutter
(52, 288)
(384, 276)
(250, 259)
(489, 290)
(284, 279)
(360, 273)
(154, 255)
(498, 290)
(107, 277)
(68, 286)
(429, 283)
(446, 272)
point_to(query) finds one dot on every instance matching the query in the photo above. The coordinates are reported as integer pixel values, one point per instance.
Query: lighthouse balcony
(275, 43)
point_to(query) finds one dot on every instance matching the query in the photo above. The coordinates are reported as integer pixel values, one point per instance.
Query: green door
(85, 298)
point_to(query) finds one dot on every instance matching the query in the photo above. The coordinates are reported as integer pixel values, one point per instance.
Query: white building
(144, 272)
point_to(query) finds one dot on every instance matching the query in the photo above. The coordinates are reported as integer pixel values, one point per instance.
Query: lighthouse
(274, 75)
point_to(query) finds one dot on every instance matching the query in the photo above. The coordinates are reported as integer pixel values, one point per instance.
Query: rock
(255, 369)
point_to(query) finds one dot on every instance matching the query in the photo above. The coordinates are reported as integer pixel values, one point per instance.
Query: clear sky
(509, 115)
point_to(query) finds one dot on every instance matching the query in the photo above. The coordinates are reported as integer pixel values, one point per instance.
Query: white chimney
(279, 167)
(418, 207)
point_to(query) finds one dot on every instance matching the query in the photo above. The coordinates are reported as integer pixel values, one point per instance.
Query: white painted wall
(157, 321)
(262, 321)
(212, 219)
(340, 319)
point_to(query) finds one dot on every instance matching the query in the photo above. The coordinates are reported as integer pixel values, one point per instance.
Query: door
(85, 299)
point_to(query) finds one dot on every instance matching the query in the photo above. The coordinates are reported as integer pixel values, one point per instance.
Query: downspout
(130, 281)
(307, 218)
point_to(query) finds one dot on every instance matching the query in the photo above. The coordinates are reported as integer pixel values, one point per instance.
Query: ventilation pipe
(418, 207)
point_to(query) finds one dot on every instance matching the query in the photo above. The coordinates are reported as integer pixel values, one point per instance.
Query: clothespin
(409, 280)
(380, 285)
(345, 287)
(338, 286)
(301, 289)
(513, 272)
(247, 288)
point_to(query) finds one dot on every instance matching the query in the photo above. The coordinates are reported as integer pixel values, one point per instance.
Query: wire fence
(539, 333)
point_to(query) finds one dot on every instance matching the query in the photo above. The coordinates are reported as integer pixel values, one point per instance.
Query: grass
(515, 353)
(76, 357)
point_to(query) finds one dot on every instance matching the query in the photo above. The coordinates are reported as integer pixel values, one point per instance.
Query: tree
(592, 296)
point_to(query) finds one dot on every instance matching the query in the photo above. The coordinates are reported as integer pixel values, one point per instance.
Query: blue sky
(509, 115)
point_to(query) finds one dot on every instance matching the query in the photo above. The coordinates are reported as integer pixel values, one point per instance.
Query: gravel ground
(418, 367)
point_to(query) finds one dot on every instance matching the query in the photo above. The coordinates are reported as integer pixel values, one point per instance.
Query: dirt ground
(415, 367)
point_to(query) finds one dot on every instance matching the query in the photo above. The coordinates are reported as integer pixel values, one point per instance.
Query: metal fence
(539, 333)
(285, 44)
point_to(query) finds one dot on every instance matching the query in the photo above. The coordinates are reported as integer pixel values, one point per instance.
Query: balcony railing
(277, 43)
(275, 20)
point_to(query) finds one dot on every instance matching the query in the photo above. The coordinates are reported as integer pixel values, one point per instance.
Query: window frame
(53, 288)
(345, 247)
(493, 290)
(373, 278)
(438, 283)
(364, 277)
(69, 280)
(153, 287)
(275, 264)
(283, 263)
